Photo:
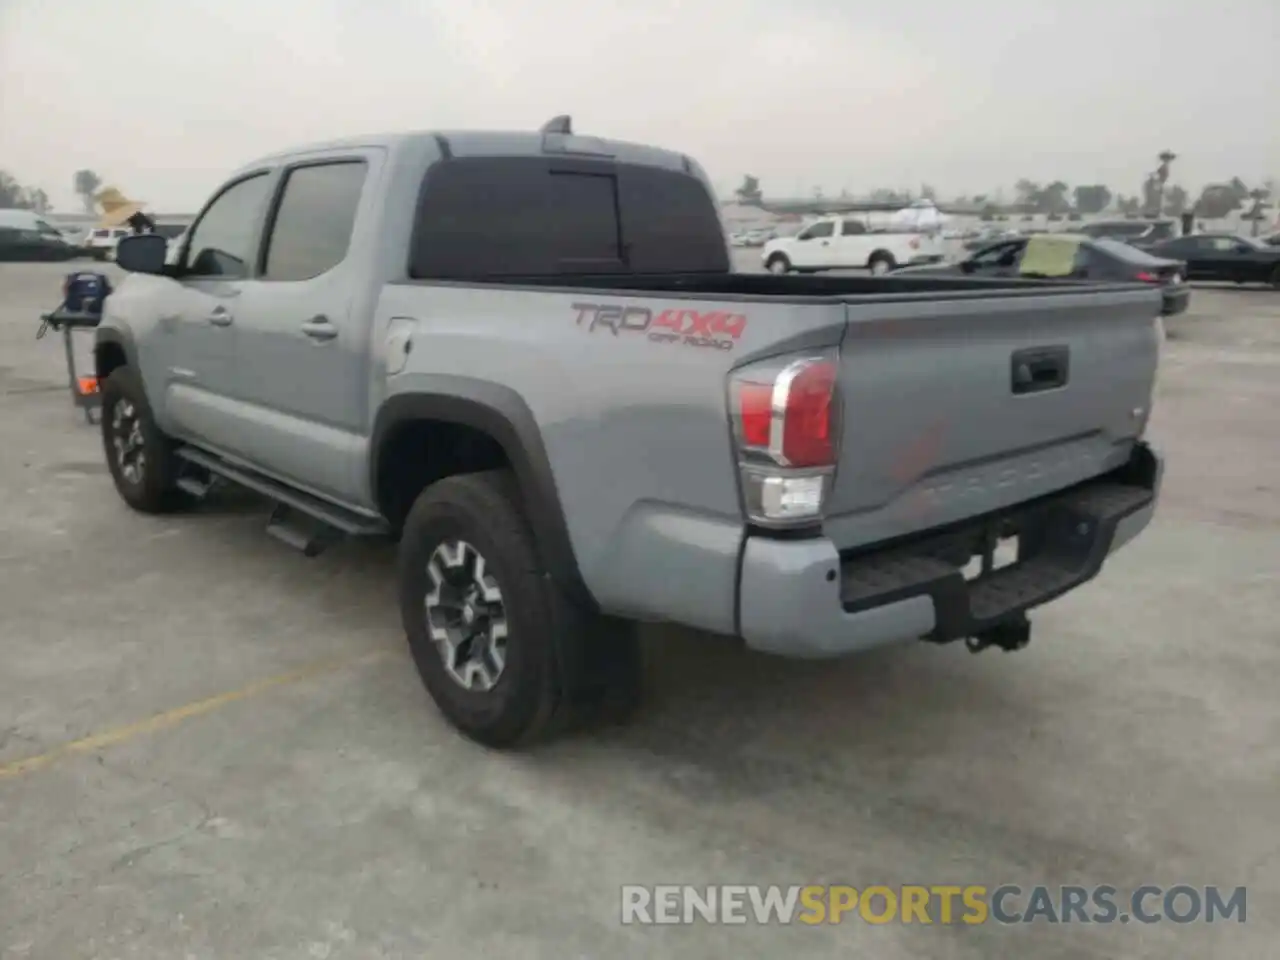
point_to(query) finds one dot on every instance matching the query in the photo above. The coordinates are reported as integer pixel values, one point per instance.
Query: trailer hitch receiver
(1010, 635)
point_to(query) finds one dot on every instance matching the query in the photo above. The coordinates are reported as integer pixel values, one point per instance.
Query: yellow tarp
(116, 207)
(1049, 255)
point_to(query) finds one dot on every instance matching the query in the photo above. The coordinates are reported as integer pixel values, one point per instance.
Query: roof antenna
(561, 124)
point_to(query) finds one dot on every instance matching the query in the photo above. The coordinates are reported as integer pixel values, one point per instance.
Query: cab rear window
(508, 217)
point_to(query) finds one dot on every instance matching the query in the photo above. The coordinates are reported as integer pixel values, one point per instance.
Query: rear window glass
(494, 217)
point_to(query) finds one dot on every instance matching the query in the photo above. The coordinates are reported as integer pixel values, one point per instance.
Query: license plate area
(994, 553)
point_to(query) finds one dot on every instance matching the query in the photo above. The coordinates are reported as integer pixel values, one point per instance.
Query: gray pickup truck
(525, 357)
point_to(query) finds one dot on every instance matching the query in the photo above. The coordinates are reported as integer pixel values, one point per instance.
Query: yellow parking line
(171, 718)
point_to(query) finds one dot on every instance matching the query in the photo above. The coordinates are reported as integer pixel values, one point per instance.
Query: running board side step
(302, 521)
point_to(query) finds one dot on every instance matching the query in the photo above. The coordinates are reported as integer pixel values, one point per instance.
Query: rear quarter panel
(633, 419)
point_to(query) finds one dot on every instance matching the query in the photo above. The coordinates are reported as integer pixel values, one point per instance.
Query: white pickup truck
(842, 243)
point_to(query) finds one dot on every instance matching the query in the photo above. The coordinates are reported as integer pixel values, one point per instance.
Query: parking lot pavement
(212, 747)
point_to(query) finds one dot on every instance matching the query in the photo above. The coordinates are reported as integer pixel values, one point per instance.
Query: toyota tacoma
(525, 357)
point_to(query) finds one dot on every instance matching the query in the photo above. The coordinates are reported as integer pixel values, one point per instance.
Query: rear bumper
(801, 598)
(1176, 300)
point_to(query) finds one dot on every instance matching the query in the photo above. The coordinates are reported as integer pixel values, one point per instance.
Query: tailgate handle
(1039, 368)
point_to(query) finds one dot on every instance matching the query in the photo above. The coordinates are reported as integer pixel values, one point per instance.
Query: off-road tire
(563, 665)
(154, 491)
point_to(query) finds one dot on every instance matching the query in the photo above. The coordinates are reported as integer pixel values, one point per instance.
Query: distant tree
(748, 193)
(927, 192)
(1129, 206)
(980, 199)
(15, 195)
(1257, 210)
(1092, 198)
(10, 191)
(989, 211)
(1175, 201)
(1053, 199)
(887, 195)
(1027, 192)
(1218, 200)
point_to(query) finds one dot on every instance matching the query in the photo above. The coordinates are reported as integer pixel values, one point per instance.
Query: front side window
(224, 239)
(999, 256)
(313, 223)
(819, 230)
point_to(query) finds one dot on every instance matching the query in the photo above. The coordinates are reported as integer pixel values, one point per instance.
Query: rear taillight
(785, 426)
(1148, 277)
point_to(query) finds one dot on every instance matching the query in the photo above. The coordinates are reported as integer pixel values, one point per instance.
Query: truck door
(851, 247)
(302, 351)
(198, 316)
(814, 247)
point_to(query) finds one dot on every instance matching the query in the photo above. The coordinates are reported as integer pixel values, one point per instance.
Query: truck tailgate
(974, 405)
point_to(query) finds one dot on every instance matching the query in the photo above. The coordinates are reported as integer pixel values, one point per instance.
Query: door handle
(319, 328)
(1039, 368)
(220, 317)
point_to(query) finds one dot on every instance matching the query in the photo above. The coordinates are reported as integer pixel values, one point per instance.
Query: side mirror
(144, 253)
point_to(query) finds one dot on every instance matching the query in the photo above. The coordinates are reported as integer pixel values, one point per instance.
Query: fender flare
(501, 413)
(103, 336)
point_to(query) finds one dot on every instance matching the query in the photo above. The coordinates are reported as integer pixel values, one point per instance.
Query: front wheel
(778, 264)
(139, 456)
(504, 655)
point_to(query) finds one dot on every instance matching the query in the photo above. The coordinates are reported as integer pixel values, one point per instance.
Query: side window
(824, 229)
(1003, 255)
(852, 228)
(313, 222)
(225, 237)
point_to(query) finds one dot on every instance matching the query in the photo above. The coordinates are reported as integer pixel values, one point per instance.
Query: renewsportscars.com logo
(937, 904)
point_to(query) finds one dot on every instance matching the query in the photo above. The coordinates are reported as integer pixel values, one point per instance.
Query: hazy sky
(164, 97)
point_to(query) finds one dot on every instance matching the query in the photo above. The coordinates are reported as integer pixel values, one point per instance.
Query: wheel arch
(499, 413)
(112, 348)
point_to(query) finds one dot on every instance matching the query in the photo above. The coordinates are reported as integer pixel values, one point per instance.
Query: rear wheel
(1275, 279)
(139, 457)
(778, 264)
(505, 656)
(880, 264)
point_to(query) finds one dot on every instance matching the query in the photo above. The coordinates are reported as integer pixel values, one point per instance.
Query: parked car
(101, 241)
(1225, 257)
(1095, 259)
(1273, 240)
(19, 244)
(1137, 233)
(526, 356)
(836, 243)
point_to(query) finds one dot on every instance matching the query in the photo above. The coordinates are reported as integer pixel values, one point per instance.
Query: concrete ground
(212, 747)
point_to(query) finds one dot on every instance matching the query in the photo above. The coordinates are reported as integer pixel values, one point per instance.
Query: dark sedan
(1094, 259)
(17, 244)
(1225, 257)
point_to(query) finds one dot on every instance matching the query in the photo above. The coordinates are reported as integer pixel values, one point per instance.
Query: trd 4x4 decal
(718, 329)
